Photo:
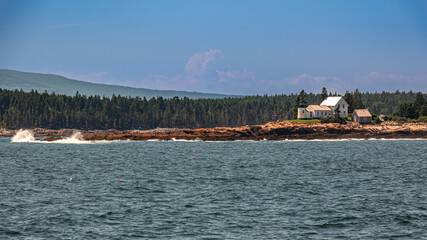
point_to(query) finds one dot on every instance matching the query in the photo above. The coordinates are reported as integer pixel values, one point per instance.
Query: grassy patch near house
(306, 120)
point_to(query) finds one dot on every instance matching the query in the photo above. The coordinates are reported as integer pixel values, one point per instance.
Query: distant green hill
(10, 79)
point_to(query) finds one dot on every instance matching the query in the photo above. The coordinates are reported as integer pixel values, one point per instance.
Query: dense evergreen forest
(19, 109)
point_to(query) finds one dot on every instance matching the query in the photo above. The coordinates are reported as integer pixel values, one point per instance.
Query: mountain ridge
(27, 81)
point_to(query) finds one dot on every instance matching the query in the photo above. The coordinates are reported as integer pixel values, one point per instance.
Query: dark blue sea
(369, 189)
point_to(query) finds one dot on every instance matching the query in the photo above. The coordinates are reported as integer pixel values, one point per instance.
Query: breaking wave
(23, 136)
(28, 136)
(76, 138)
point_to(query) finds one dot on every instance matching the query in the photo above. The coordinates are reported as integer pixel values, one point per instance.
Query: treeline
(413, 110)
(387, 103)
(19, 109)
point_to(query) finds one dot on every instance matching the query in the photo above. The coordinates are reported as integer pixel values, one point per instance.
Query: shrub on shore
(333, 120)
(399, 119)
(306, 120)
(422, 119)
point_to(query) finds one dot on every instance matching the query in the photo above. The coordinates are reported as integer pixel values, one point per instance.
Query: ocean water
(214, 190)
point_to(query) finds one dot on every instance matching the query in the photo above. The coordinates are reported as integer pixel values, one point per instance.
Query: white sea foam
(351, 139)
(24, 136)
(396, 139)
(323, 140)
(76, 138)
(184, 140)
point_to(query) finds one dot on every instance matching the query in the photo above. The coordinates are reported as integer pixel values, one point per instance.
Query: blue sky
(233, 47)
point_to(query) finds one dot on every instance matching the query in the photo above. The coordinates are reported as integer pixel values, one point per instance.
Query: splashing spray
(23, 136)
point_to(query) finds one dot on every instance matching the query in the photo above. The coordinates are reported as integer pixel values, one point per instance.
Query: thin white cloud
(199, 62)
(230, 76)
(240, 81)
(392, 77)
(162, 82)
(305, 79)
(376, 81)
(245, 82)
(307, 82)
(199, 74)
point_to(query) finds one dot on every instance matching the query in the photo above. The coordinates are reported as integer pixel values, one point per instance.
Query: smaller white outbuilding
(362, 116)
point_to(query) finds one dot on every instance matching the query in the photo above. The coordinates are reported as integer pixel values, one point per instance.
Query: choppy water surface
(214, 190)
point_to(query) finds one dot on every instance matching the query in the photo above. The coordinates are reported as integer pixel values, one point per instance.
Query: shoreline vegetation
(30, 110)
(284, 130)
(55, 117)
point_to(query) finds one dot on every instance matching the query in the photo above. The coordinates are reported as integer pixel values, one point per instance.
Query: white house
(337, 102)
(325, 109)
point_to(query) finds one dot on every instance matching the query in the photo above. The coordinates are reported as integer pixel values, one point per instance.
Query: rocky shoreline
(270, 131)
(279, 131)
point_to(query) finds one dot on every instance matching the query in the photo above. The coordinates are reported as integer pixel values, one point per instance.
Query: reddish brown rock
(277, 131)
(51, 139)
(270, 131)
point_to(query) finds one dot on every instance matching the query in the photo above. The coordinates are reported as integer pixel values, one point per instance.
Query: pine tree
(337, 112)
(348, 97)
(419, 102)
(424, 110)
(324, 94)
(357, 100)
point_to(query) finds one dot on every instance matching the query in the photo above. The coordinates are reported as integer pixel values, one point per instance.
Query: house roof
(362, 113)
(319, 108)
(331, 101)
